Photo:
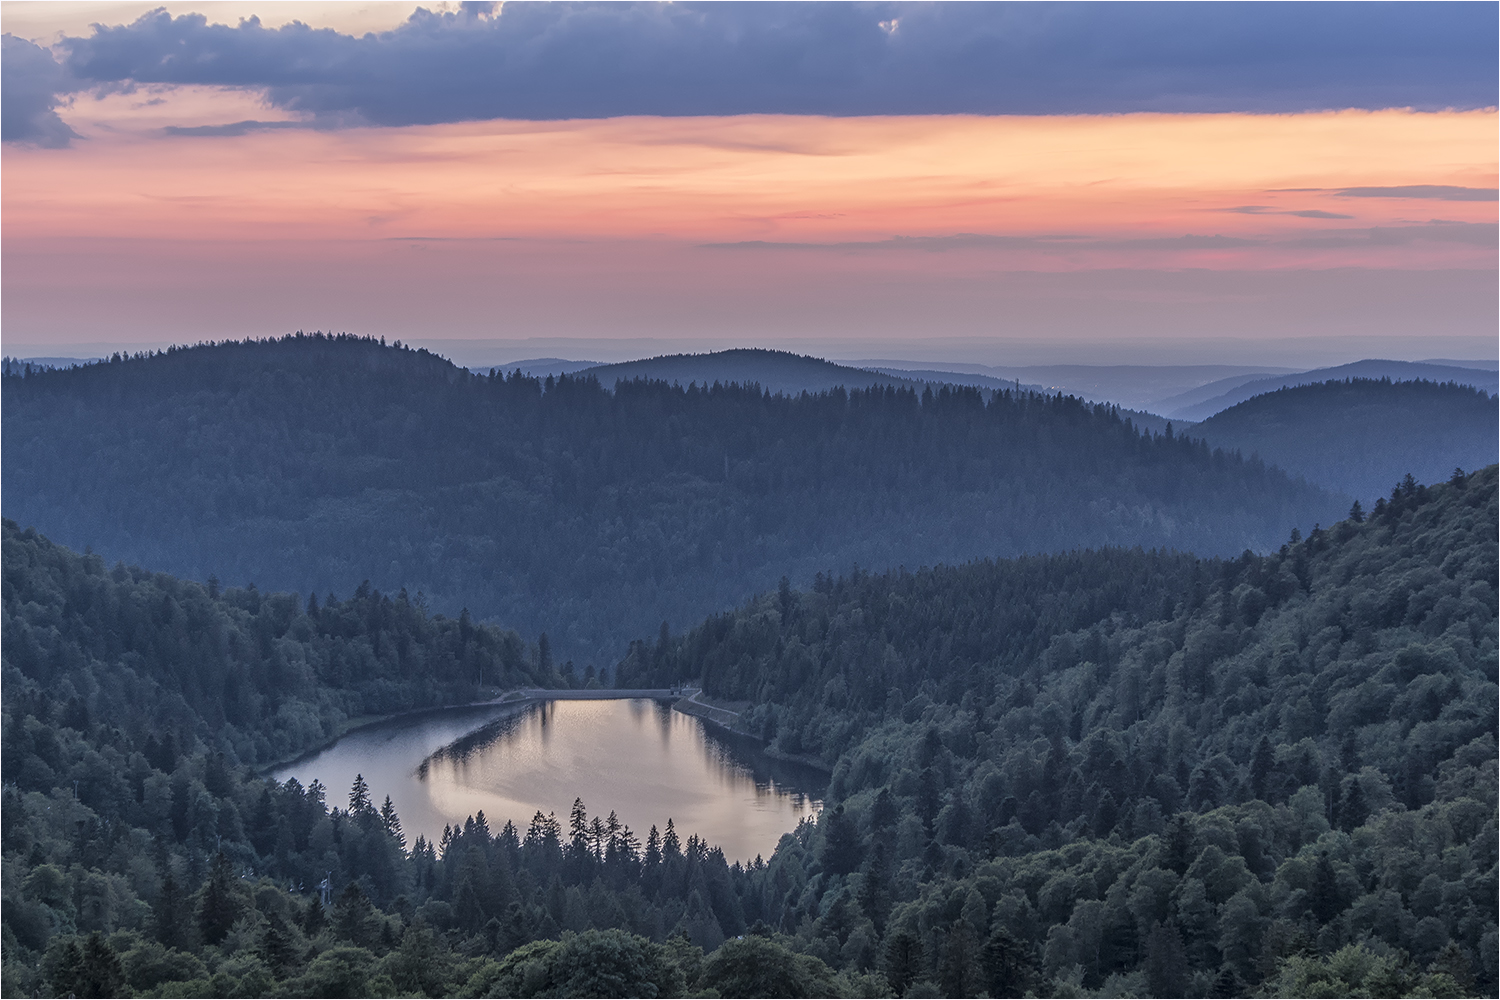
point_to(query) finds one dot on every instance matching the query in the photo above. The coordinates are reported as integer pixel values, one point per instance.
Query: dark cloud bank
(562, 60)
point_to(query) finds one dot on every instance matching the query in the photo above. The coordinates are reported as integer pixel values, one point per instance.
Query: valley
(1094, 771)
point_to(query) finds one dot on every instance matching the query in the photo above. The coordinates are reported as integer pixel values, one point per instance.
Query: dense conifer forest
(314, 463)
(1359, 435)
(1111, 773)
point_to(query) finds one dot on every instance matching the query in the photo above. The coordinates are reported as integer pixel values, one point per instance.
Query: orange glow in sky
(772, 178)
(591, 227)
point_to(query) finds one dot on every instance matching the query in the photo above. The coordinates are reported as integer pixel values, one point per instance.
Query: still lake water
(636, 757)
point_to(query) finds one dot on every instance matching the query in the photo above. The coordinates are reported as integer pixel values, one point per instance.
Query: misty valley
(332, 668)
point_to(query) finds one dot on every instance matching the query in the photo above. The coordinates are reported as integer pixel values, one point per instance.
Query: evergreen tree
(841, 848)
(354, 918)
(1352, 811)
(218, 908)
(468, 912)
(1179, 844)
(1324, 898)
(216, 777)
(64, 968)
(903, 961)
(276, 946)
(1166, 961)
(1261, 763)
(1451, 962)
(359, 797)
(653, 849)
(313, 918)
(1008, 966)
(170, 916)
(875, 888)
(671, 847)
(263, 824)
(958, 969)
(392, 823)
(598, 837)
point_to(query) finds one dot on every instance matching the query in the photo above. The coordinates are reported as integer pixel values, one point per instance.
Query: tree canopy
(588, 512)
(1107, 773)
(1359, 435)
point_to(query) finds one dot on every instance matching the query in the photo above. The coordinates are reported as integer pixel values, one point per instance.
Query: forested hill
(1152, 776)
(1358, 436)
(312, 463)
(1203, 402)
(1100, 774)
(257, 676)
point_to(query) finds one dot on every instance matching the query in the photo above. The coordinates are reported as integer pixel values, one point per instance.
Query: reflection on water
(638, 758)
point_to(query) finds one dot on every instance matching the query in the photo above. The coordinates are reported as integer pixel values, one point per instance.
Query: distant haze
(1000, 357)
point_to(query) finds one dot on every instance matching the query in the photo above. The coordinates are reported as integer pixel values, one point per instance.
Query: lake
(634, 756)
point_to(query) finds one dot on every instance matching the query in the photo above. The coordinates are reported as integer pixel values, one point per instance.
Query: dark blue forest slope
(313, 463)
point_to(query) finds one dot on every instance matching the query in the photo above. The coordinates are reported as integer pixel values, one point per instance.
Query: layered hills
(1206, 400)
(557, 505)
(1140, 387)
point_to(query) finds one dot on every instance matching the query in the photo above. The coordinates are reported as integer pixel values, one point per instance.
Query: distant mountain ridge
(789, 374)
(1143, 419)
(1479, 363)
(773, 371)
(538, 367)
(1361, 436)
(1205, 401)
(1136, 387)
(1184, 392)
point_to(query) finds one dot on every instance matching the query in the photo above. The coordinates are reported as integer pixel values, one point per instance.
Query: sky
(1277, 184)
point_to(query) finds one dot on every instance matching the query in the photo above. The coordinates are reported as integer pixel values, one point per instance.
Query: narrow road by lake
(591, 694)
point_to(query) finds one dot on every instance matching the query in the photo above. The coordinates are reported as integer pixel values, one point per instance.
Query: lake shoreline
(618, 750)
(519, 698)
(728, 721)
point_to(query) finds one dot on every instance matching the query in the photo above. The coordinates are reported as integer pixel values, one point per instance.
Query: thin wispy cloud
(234, 128)
(1439, 192)
(1317, 213)
(1303, 213)
(1442, 231)
(1477, 234)
(1433, 192)
(931, 244)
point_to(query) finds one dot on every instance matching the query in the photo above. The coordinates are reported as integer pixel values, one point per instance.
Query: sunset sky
(1003, 184)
